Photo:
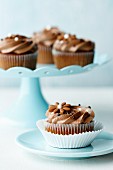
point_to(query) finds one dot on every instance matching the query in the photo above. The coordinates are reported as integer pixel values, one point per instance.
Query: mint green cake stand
(31, 105)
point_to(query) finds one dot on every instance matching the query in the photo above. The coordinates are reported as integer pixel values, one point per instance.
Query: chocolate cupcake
(45, 40)
(17, 51)
(68, 119)
(69, 126)
(69, 50)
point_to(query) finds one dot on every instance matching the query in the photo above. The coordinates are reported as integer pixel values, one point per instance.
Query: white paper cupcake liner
(18, 60)
(66, 129)
(70, 141)
(63, 59)
(45, 55)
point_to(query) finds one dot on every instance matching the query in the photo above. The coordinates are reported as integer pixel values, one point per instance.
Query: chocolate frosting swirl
(47, 36)
(70, 43)
(68, 114)
(17, 44)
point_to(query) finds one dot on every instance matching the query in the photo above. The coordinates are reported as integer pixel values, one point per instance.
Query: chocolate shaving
(56, 110)
(67, 105)
(66, 108)
(52, 108)
(63, 103)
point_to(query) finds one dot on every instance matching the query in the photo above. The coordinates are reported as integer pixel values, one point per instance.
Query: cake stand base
(31, 106)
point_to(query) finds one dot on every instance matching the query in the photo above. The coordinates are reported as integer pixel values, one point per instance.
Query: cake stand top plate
(50, 69)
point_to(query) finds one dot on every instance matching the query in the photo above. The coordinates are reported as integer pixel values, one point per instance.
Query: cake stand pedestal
(31, 105)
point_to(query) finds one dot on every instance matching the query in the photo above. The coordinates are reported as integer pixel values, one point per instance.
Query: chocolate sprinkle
(89, 107)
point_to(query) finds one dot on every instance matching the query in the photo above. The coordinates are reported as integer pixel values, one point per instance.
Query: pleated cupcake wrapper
(70, 141)
(66, 129)
(63, 59)
(45, 55)
(14, 60)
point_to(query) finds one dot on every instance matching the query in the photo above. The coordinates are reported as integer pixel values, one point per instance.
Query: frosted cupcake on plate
(17, 50)
(45, 40)
(69, 126)
(68, 119)
(69, 50)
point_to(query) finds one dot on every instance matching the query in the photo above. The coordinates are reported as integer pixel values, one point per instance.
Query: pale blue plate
(34, 142)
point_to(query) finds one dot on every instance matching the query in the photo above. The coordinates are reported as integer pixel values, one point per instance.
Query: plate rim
(62, 155)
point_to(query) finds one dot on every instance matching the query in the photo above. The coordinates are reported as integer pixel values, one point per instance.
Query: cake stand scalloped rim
(51, 70)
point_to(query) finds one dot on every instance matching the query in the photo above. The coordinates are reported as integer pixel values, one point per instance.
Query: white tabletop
(14, 158)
